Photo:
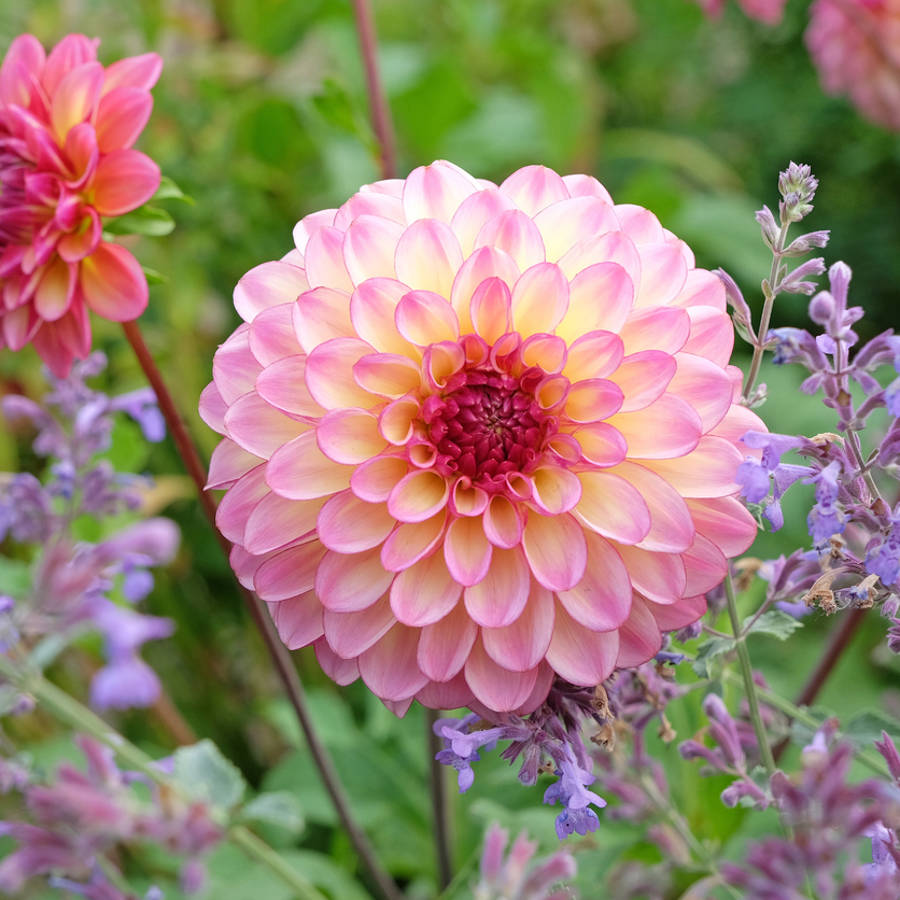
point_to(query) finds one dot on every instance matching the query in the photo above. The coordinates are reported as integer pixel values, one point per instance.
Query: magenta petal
(113, 283)
(123, 181)
(121, 116)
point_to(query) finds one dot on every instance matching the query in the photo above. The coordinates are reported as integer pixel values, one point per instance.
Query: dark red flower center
(487, 424)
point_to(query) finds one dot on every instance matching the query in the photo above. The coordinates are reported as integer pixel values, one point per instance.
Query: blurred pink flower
(769, 12)
(856, 46)
(479, 437)
(67, 125)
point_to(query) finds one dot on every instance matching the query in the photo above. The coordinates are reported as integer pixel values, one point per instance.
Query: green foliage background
(261, 117)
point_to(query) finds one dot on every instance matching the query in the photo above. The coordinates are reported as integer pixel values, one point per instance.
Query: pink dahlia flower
(479, 437)
(769, 12)
(67, 125)
(856, 46)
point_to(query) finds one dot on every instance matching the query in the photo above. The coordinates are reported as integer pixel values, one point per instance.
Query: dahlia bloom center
(486, 426)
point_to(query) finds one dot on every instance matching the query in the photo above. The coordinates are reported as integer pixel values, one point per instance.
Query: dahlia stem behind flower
(70, 712)
(280, 656)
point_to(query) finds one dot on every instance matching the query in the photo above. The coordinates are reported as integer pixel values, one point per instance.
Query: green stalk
(750, 688)
(77, 716)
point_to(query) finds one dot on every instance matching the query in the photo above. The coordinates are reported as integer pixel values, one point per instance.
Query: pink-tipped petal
(644, 377)
(282, 384)
(521, 645)
(75, 97)
(707, 471)
(298, 620)
(428, 257)
(555, 490)
(490, 309)
(497, 688)
(387, 374)
(467, 551)
(425, 592)
(600, 299)
(349, 436)
(121, 117)
(540, 299)
(124, 180)
(389, 668)
(705, 386)
(269, 284)
(726, 522)
(347, 524)
(499, 598)
(514, 233)
(639, 637)
(324, 258)
(578, 655)
(436, 191)
(565, 223)
(351, 582)
(601, 445)
(444, 646)
(258, 427)
(667, 428)
(473, 212)
(611, 506)
(593, 400)
(418, 496)
(556, 550)
(329, 374)
(113, 283)
(350, 634)
(659, 577)
(340, 671)
(664, 328)
(134, 71)
(298, 470)
(424, 318)
(374, 480)
(596, 354)
(276, 522)
(502, 522)
(601, 601)
(271, 335)
(229, 462)
(369, 246)
(410, 542)
(288, 573)
(319, 315)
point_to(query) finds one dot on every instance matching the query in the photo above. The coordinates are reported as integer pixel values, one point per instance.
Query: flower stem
(378, 105)
(78, 717)
(439, 805)
(750, 686)
(279, 654)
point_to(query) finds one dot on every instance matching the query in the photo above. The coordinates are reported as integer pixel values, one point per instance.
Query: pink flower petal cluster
(480, 437)
(855, 45)
(769, 12)
(67, 125)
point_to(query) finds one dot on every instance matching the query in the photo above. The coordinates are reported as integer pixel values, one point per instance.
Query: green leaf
(278, 808)
(153, 276)
(775, 622)
(708, 651)
(169, 190)
(207, 775)
(866, 726)
(15, 576)
(149, 220)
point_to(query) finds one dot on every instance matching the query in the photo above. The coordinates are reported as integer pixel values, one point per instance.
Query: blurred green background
(261, 117)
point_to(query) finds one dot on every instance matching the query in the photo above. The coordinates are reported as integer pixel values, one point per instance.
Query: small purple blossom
(570, 791)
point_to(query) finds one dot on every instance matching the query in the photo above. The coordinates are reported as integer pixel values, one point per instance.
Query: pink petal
(555, 490)
(428, 257)
(601, 445)
(329, 374)
(282, 384)
(685, 612)
(671, 526)
(349, 436)
(600, 299)
(445, 645)
(601, 601)
(596, 354)
(55, 290)
(546, 351)
(133, 71)
(663, 274)
(22, 65)
(666, 428)
(639, 637)
(702, 288)
(540, 299)
(499, 598)
(75, 97)
(387, 374)
(369, 246)
(300, 471)
(712, 334)
(229, 462)
(123, 181)
(578, 655)
(269, 284)
(705, 386)
(418, 496)
(707, 471)
(659, 577)
(490, 309)
(289, 572)
(372, 308)
(212, 407)
(705, 566)
(310, 224)
(453, 694)
(497, 688)
(235, 368)
(644, 377)
(349, 583)
(467, 551)
(276, 522)
(347, 524)
(473, 212)
(592, 400)
(556, 550)
(613, 507)
(663, 328)
(369, 203)
(235, 507)
(389, 668)
(258, 427)
(410, 542)
(425, 318)
(726, 522)
(502, 522)
(375, 479)
(485, 262)
(299, 620)
(121, 116)
(534, 187)
(522, 644)
(639, 224)
(516, 234)
(324, 258)
(350, 634)
(113, 283)
(319, 315)
(341, 671)
(566, 222)
(425, 592)
(272, 335)
(736, 423)
(612, 247)
(586, 186)
(436, 191)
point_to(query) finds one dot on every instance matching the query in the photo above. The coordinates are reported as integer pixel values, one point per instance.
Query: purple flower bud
(124, 683)
(768, 226)
(797, 185)
(888, 749)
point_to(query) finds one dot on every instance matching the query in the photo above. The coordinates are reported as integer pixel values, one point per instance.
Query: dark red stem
(281, 657)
